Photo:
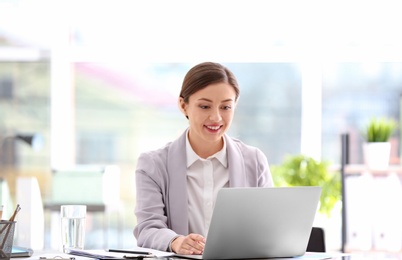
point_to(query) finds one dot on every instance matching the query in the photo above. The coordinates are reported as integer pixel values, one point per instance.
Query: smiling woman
(210, 113)
(177, 185)
(208, 98)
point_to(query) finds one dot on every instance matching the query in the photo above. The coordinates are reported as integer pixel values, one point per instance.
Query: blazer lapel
(237, 178)
(177, 198)
(177, 195)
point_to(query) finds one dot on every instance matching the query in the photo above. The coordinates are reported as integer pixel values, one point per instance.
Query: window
(352, 94)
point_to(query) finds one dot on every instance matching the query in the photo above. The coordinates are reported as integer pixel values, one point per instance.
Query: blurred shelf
(374, 251)
(362, 169)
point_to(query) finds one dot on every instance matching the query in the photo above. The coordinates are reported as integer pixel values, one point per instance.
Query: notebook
(261, 223)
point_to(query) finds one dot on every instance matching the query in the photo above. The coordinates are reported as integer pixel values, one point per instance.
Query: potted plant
(377, 148)
(301, 170)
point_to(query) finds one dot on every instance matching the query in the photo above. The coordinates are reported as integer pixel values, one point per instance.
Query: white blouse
(205, 177)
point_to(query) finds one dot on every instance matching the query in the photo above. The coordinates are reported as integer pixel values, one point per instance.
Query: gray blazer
(161, 207)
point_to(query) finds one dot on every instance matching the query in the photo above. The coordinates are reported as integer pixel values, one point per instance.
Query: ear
(182, 106)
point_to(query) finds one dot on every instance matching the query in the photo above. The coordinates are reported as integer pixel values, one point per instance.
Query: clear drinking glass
(72, 226)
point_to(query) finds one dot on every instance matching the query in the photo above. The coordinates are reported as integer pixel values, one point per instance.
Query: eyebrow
(206, 99)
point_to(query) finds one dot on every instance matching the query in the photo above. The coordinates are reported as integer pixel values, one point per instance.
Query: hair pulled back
(205, 74)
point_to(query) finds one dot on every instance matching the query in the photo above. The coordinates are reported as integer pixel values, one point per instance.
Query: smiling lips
(213, 128)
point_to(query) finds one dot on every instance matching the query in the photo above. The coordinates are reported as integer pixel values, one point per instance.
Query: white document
(359, 204)
(387, 213)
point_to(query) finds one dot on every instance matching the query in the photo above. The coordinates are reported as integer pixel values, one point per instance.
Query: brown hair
(205, 74)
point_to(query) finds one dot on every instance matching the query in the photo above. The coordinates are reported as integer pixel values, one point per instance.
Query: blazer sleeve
(264, 172)
(249, 165)
(152, 229)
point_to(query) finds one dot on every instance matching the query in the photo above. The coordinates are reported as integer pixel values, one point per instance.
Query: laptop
(261, 223)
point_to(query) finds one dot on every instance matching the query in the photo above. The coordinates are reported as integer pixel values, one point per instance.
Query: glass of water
(73, 226)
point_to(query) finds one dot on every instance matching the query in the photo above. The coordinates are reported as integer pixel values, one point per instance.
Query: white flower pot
(376, 155)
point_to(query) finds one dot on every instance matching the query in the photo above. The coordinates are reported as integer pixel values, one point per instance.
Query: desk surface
(54, 255)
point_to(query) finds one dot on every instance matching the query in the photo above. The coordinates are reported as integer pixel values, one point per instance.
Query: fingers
(197, 242)
(192, 244)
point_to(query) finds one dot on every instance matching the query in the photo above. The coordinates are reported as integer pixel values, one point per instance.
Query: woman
(177, 184)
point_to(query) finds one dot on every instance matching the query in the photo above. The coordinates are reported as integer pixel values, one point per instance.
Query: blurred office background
(99, 81)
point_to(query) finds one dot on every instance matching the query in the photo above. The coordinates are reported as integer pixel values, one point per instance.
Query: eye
(204, 107)
(227, 107)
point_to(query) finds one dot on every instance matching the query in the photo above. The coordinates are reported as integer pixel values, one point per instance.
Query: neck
(203, 149)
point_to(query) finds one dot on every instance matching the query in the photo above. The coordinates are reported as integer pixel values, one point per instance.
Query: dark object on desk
(138, 256)
(316, 242)
(56, 257)
(18, 251)
(129, 251)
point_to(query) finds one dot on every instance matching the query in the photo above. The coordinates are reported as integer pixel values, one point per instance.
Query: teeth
(213, 127)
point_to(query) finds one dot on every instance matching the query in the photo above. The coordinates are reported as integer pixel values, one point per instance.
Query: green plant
(379, 130)
(300, 170)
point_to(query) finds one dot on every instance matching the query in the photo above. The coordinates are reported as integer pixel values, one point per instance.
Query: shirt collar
(192, 157)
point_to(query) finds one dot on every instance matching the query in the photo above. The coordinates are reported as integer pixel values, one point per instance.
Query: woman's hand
(192, 244)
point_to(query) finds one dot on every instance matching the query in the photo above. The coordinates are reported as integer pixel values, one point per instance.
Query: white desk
(165, 255)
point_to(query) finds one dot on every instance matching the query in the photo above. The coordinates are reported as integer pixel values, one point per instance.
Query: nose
(215, 115)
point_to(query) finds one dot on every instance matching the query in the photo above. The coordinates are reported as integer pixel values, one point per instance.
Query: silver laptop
(261, 223)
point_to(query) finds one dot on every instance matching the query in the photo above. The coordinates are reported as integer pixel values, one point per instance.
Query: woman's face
(210, 113)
